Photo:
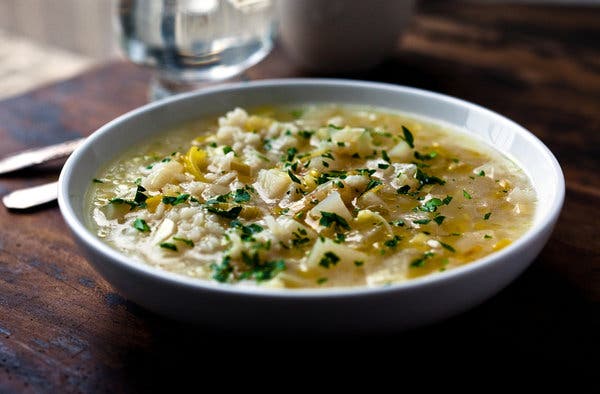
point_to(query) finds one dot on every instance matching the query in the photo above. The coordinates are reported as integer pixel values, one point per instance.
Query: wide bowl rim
(80, 230)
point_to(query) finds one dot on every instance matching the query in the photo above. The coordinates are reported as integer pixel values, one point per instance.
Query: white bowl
(420, 301)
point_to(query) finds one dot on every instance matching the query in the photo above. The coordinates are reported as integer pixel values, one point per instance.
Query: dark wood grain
(63, 329)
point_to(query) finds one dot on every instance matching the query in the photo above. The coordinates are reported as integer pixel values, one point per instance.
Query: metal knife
(35, 156)
(31, 196)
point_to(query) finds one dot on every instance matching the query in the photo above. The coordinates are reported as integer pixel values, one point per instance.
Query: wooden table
(63, 328)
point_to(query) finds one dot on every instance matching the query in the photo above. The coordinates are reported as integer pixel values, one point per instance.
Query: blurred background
(42, 41)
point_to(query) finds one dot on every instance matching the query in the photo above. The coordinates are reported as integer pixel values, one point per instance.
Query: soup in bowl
(311, 203)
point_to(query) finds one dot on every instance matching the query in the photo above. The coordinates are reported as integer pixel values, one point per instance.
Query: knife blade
(31, 196)
(35, 156)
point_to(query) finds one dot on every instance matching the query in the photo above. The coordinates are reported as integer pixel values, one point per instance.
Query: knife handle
(35, 156)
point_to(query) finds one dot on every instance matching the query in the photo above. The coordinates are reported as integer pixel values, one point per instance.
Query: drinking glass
(193, 43)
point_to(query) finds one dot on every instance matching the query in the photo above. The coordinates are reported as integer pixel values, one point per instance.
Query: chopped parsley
(425, 179)
(96, 180)
(385, 156)
(267, 144)
(186, 241)
(139, 201)
(431, 205)
(481, 173)
(222, 271)
(132, 204)
(261, 271)
(180, 199)
(408, 137)
(329, 218)
(233, 213)
(140, 197)
(372, 184)
(467, 195)
(241, 195)
(227, 149)
(447, 200)
(403, 189)
(420, 262)
(359, 263)
(422, 221)
(291, 152)
(329, 259)
(320, 281)
(247, 232)
(300, 237)
(425, 156)
(392, 243)
(305, 133)
(168, 245)
(447, 247)
(141, 225)
(487, 236)
(383, 166)
(365, 171)
(293, 177)
(439, 219)
(487, 216)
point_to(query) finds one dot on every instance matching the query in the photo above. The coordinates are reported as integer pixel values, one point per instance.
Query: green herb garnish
(439, 219)
(392, 243)
(186, 241)
(447, 247)
(425, 156)
(168, 245)
(408, 137)
(329, 259)
(293, 177)
(291, 152)
(329, 218)
(385, 156)
(247, 232)
(425, 179)
(305, 133)
(180, 199)
(431, 205)
(422, 221)
(403, 189)
(233, 213)
(241, 195)
(372, 184)
(467, 195)
(141, 225)
(487, 216)
(420, 262)
(223, 270)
